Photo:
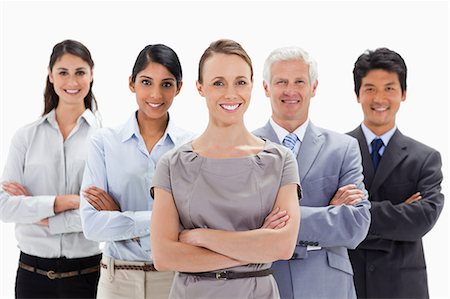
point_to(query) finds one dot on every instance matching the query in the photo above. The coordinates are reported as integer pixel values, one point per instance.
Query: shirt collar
(369, 135)
(282, 132)
(87, 115)
(171, 135)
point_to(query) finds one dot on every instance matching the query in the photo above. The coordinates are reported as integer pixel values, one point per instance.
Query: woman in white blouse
(41, 184)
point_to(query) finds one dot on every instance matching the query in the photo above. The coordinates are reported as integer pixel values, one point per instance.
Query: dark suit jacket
(390, 262)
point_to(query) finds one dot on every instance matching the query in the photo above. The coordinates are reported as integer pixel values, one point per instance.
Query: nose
(72, 81)
(155, 93)
(230, 93)
(290, 90)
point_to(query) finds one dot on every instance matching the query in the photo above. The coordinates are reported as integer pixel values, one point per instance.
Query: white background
(335, 33)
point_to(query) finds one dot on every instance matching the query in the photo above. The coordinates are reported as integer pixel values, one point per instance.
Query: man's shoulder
(334, 137)
(416, 146)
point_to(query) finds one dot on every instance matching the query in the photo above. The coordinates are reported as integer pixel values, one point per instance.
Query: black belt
(225, 275)
(52, 274)
(145, 268)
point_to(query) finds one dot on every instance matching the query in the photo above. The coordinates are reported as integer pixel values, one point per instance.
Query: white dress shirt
(119, 163)
(48, 166)
(370, 136)
(282, 133)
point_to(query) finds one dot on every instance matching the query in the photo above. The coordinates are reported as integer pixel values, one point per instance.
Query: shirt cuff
(142, 223)
(46, 207)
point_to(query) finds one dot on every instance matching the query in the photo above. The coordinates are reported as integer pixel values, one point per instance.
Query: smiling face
(290, 92)
(380, 96)
(71, 77)
(155, 89)
(226, 86)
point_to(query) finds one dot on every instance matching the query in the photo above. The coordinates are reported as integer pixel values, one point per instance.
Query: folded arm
(345, 221)
(169, 254)
(417, 214)
(101, 216)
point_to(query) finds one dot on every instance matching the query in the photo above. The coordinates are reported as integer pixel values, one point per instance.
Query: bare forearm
(176, 256)
(253, 246)
(66, 202)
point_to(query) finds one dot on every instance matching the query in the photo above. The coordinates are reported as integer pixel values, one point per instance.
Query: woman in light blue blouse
(116, 204)
(42, 179)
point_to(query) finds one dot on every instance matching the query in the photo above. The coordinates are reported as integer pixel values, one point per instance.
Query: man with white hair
(334, 209)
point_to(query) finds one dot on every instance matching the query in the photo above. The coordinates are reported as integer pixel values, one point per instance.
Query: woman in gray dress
(219, 188)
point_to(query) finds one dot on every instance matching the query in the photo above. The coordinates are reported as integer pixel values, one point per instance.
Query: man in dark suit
(403, 177)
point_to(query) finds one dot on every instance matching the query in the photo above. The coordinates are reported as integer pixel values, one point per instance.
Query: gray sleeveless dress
(233, 194)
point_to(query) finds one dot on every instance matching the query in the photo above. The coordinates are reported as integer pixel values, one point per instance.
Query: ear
(199, 88)
(179, 88)
(92, 74)
(314, 88)
(50, 75)
(131, 85)
(266, 89)
(358, 100)
(404, 96)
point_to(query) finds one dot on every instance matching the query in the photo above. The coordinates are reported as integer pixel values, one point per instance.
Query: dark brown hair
(51, 99)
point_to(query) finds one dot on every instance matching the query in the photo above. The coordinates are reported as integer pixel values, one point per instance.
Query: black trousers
(34, 285)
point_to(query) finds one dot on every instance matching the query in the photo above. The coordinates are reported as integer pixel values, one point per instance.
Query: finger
(95, 205)
(20, 188)
(277, 215)
(275, 223)
(413, 199)
(351, 198)
(354, 202)
(274, 211)
(11, 190)
(95, 202)
(268, 222)
(281, 225)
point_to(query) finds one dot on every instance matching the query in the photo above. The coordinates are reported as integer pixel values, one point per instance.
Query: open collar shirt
(47, 165)
(119, 163)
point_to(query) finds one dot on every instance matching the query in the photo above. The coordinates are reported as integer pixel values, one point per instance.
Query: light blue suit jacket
(326, 162)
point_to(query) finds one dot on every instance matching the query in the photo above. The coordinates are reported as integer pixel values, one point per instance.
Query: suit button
(371, 268)
(316, 244)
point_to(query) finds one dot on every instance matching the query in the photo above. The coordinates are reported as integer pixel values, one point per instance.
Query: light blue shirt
(371, 136)
(282, 133)
(119, 163)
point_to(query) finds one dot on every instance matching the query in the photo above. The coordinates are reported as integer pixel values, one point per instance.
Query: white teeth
(72, 90)
(154, 105)
(290, 102)
(380, 109)
(230, 107)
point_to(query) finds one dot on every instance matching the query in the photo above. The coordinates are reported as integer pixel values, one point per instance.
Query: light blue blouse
(119, 163)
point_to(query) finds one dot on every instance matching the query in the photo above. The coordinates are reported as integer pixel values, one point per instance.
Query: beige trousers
(132, 283)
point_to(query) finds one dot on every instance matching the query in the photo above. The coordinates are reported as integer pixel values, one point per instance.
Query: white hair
(290, 53)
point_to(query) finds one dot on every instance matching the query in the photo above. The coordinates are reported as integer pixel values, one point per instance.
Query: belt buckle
(221, 275)
(51, 274)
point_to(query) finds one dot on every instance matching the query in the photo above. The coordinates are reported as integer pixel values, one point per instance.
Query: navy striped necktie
(290, 141)
(376, 143)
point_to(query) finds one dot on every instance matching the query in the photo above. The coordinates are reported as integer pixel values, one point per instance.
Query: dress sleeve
(290, 172)
(161, 178)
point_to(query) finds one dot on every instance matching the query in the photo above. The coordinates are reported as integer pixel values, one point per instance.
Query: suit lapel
(368, 170)
(310, 148)
(395, 152)
(268, 132)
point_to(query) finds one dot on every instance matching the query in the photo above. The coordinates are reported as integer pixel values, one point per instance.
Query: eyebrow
(150, 78)
(223, 78)
(77, 69)
(389, 83)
